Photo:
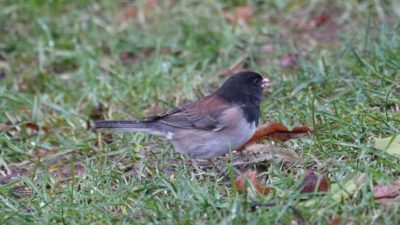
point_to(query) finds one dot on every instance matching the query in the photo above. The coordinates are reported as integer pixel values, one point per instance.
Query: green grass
(63, 60)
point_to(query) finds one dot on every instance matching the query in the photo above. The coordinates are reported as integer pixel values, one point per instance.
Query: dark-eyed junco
(210, 126)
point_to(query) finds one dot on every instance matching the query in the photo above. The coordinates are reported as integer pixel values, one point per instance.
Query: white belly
(209, 144)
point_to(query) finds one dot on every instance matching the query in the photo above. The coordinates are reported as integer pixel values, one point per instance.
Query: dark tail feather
(121, 125)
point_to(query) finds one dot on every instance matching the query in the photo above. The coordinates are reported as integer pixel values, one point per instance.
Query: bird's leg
(196, 166)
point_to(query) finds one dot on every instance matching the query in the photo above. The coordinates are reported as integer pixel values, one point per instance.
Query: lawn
(333, 66)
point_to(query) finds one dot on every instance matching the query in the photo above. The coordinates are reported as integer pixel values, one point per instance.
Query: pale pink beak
(265, 83)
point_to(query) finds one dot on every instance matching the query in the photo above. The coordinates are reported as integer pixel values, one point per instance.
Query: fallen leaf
(341, 192)
(240, 14)
(314, 182)
(348, 189)
(259, 152)
(289, 61)
(390, 144)
(253, 154)
(278, 132)
(387, 193)
(250, 177)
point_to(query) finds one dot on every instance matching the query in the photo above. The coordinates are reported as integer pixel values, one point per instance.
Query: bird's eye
(257, 81)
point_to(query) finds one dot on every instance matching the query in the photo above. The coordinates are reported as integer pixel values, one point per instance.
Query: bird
(209, 127)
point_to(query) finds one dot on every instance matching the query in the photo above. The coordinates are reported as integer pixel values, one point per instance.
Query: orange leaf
(278, 132)
(314, 182)
(251, 176)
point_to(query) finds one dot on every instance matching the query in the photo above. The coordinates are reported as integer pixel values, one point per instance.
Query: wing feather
(204, 114)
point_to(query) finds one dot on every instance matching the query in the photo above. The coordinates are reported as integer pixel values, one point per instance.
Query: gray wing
(204, 114)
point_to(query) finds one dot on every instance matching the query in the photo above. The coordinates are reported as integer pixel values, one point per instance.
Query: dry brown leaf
(259, 152)
(387, 193)
(241, 14)
(314, 182)
(250, 177)
(278, 132)
(256, 153)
